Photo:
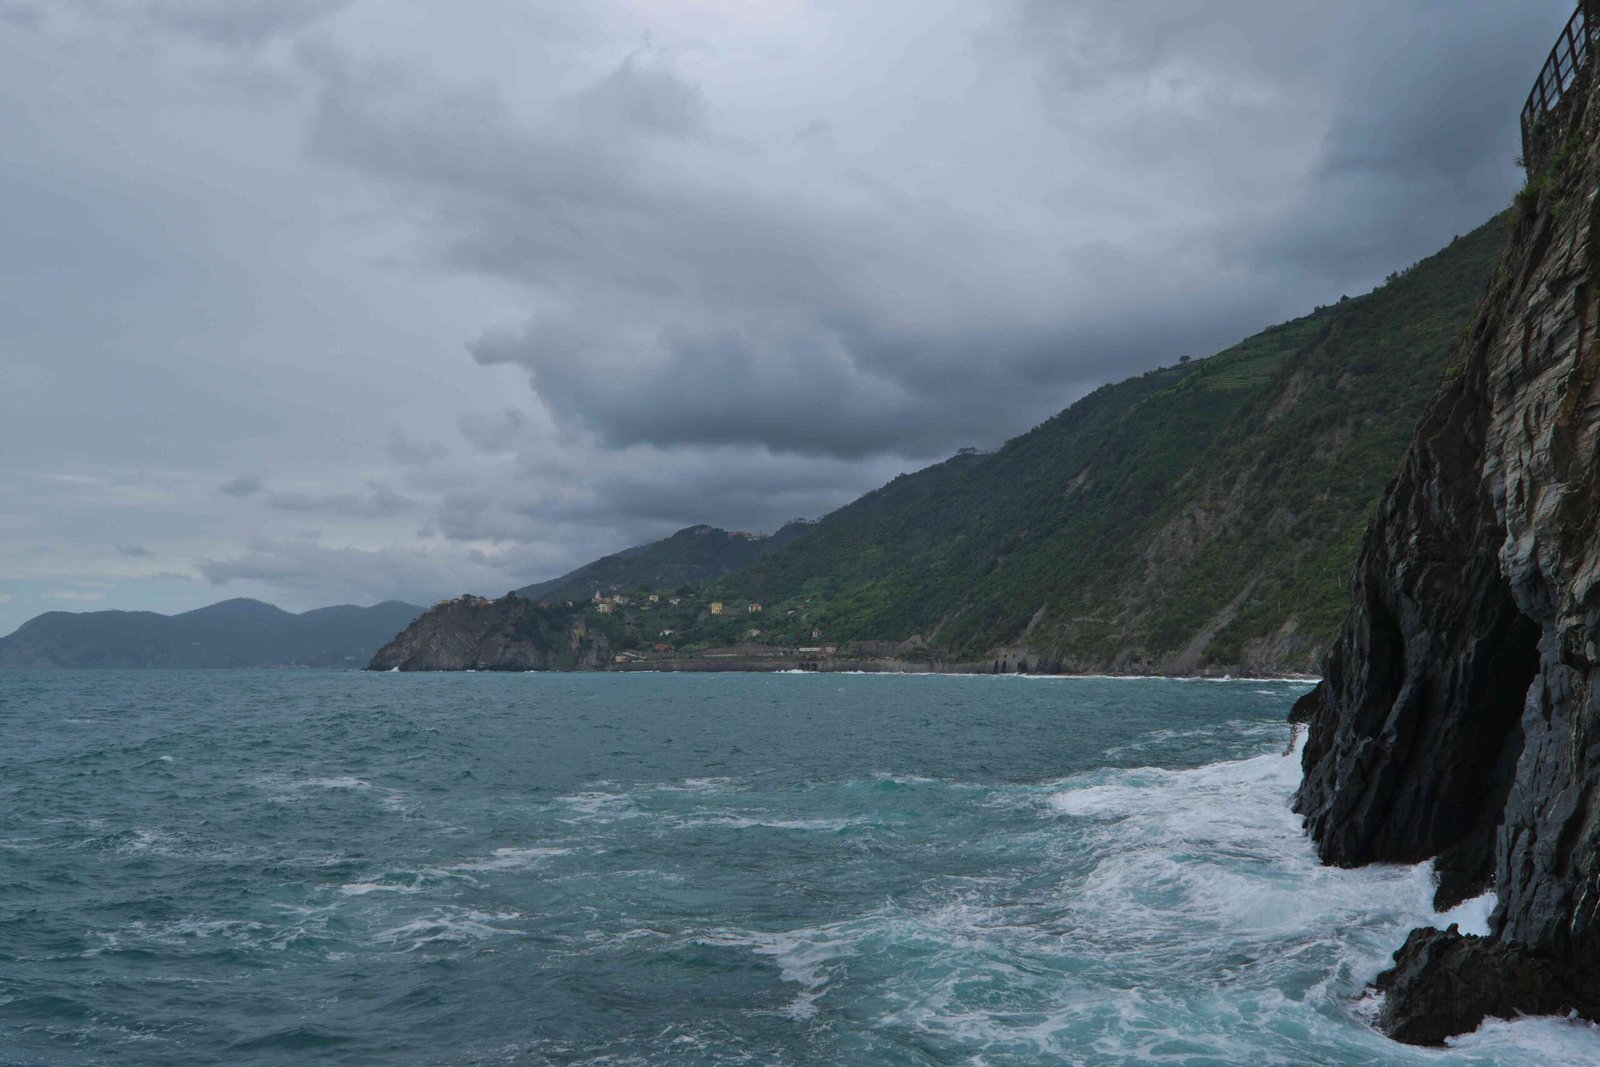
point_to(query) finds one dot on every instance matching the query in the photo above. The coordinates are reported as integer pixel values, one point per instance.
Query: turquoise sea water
(289, 868)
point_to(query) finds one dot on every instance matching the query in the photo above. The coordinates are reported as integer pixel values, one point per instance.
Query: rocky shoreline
(515, 633)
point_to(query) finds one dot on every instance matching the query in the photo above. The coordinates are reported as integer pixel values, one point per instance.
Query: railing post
(1573, 53)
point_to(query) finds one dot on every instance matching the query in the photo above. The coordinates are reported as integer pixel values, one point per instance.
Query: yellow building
(716, 607)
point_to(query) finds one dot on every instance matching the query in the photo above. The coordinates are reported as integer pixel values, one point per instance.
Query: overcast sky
(330, 301)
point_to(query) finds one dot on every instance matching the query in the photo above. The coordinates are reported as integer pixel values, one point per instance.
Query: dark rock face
(509, 634)
(1457, 718)
(1444, 981)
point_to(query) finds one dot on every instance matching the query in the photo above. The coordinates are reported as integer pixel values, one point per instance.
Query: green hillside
(233, 633)
(691, 556)
(1202, 516)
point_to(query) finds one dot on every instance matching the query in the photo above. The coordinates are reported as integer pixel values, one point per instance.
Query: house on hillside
(604, 607)
(655, 598)
(754, 609)
(716, 607)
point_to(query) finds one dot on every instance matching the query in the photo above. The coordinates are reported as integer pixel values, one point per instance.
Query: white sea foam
(1551, 1042)
(700, 785)
(456, 925)
(746, 822)
(903, 779)
(1286, 680)
(358, 889)
(1191, 914)
(184, 933)
(1471, 915)
(145, 839)
(508, 859)
(598, 807)
(338, 782)
(808, 958)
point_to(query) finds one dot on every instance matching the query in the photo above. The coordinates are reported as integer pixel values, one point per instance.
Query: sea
(347, 868)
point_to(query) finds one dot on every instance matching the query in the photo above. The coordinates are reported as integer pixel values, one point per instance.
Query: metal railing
(1567, 61)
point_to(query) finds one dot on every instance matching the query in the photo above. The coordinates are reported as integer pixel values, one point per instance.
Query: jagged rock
(1445, 983)
(1457, 716)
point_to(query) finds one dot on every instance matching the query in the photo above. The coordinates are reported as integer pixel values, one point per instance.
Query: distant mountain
(689, 557)
(234, 633)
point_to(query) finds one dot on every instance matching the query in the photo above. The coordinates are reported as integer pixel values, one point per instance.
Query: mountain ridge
(692, 555)
(239, 632)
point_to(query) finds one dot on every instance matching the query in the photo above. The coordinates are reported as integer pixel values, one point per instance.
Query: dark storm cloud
(754, 490)
(367, 575)
(406, 451)
(224, 22)
(1417, 106)
(687, 297)
(29, 16)
(814, 390)
(1425, 122)
(379, 501)
(495, 431)
(694, 314)
(640, 494)
(644, 97)
(243, 485)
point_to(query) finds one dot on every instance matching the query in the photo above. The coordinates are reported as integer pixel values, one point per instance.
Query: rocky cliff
(1457, 719)
(509, 634)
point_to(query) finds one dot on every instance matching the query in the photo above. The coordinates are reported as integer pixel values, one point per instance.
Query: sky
(328, 301)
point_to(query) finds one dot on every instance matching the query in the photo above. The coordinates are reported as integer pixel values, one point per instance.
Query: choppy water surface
(348, 868)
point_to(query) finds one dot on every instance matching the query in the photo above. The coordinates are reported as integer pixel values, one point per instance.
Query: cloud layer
(352, 300)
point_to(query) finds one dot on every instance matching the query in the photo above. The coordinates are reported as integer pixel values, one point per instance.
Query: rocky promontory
(1459, 718)
(509, 634)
